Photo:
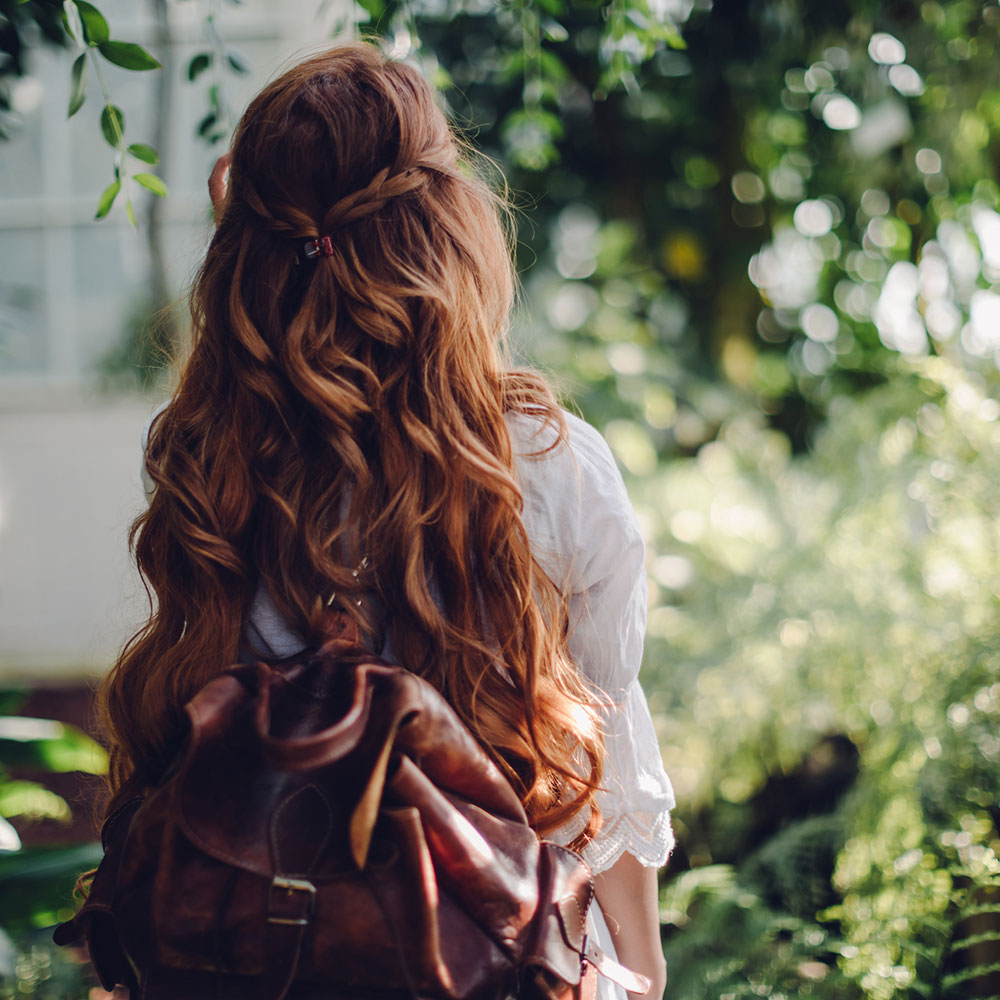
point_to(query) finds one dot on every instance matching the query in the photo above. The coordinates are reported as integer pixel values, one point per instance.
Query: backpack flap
(452, 758)
(496, 886)
(259, 739)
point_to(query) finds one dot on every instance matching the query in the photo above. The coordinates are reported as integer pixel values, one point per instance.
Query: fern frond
(982, 908)
(968, 974)
(974, 939)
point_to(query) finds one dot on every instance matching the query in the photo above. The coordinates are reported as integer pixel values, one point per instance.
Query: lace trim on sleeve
(649, 839)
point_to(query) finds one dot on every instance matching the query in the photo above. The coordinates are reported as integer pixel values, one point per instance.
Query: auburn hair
(352, 407)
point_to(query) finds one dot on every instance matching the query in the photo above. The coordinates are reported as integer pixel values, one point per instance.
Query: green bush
(852, 591)
(36, 884)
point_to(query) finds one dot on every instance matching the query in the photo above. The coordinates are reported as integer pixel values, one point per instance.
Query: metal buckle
(289, 887)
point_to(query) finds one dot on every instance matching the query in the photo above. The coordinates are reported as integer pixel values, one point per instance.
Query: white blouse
(585, 535)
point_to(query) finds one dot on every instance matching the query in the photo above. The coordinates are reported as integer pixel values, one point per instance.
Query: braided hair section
(285, 219)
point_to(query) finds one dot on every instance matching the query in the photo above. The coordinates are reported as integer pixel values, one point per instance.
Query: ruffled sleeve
(585, 536)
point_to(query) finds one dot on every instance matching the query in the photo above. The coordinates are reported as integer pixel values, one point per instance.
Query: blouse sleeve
(585, 535)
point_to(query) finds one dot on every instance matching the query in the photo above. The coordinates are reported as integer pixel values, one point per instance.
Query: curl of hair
(348, 405)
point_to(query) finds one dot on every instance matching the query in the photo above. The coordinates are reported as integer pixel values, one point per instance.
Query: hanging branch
(87, 26)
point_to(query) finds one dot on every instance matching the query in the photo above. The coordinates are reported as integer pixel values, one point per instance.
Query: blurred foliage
(843, 156)
(849, 592)
(24, 26)
(36, 968)
(142, 354)
(36, 884)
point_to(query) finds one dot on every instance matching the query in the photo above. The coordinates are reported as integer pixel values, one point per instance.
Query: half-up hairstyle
(352, 405)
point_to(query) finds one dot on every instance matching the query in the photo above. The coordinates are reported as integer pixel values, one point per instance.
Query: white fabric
(585, 535)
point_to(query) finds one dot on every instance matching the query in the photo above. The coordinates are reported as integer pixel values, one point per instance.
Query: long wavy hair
(351, 406)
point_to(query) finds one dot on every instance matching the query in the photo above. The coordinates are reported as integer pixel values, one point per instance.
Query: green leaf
(130, 214)
(78, 84)
(54, 746)
(95, 27)
(553, 68)
(9, 840)
(974, 972)
(674, 38)
(28, 798)
(11, 700)
(107, 199)
(72, 21)
(113, 125)
(198, 65)
(207, 124)
(238, 62)
(152, 183)
(41, 863)
(128, 55)
(554, 31)
(145, 153)
(374, 8)
(512, 65)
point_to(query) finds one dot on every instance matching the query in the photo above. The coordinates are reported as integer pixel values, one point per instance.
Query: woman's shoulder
(575, 501)
(538, 439)
(578, 464)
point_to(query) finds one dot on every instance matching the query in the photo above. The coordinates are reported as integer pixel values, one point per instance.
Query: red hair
(354, 404)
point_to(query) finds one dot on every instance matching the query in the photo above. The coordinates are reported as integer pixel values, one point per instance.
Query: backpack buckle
(290, 901)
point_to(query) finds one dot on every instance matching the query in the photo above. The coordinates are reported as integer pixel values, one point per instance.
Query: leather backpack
(332, 830)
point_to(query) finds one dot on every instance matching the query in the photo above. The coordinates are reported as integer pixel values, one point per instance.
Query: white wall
(69, 488)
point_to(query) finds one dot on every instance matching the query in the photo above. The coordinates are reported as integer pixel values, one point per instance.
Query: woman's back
(345, 425)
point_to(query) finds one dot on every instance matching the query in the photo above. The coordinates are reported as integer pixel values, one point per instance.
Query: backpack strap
(606, 966)
(290, 907)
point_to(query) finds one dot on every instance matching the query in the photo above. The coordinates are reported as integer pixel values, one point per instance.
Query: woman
(345, 425)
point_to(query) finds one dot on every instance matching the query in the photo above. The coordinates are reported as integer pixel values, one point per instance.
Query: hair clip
(323, 246)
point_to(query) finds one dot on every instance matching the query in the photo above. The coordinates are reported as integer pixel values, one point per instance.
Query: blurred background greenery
(760, 248)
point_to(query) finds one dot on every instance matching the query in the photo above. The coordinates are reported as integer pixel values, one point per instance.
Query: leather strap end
(68, 932)
(365, 813)
(632, 982)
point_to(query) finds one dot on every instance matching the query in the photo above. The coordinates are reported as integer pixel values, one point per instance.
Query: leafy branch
(218, 123)
(88, 27)
(633, 32)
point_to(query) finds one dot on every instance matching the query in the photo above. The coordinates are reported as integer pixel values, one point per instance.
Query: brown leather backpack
(332, 830)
